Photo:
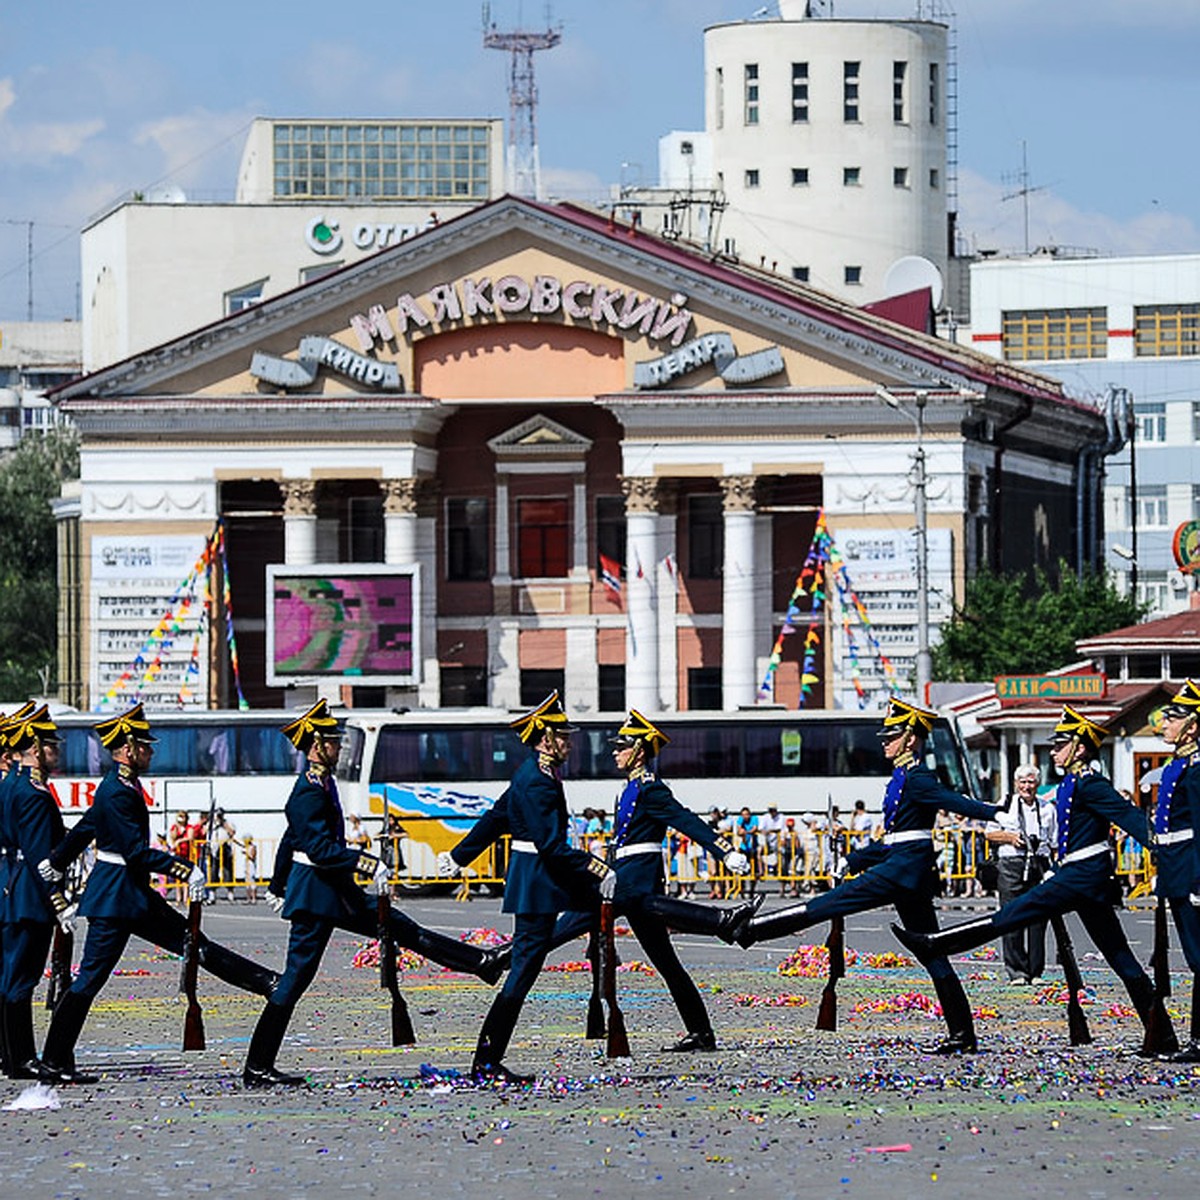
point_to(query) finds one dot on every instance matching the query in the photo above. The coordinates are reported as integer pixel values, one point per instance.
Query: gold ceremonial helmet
(901, 715)
(22, 731)
(1186, 702)
(638, 728)
(305, 727)
(129, 726)
(549, 714)
(1075, 725)
(10, 722)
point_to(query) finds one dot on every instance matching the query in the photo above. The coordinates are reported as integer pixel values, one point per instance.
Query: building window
(852, 176)
(1166, 330)
(242, 298)
(1152, 506)
(543, 538)
(1152, 590)
(935, 178)
(799, 177)
(719, 88)
(800, 274)
(1184, 666)
(706, 536)
(935, 93)
(1151, 422)
(704, 688)
(799, 93)
(611, 687)
(751, 87)
(363, 531)
(468, 529)
(463, 687)
(900, 177)
(899, 104)
(1056, 333)
(752, 177)
(852, 276)
(610, 528)
(850, 91)
(538, 683)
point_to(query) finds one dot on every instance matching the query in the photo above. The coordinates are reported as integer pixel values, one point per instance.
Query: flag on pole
(610, 575)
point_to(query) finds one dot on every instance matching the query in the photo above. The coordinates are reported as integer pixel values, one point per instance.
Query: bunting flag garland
(823, 565)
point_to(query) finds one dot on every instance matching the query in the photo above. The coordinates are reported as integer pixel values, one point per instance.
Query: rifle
(1158, 1024)
(618, 1039)
(193, 1021)
(403, 1033)
(62, 951)
(595, 1012)
(836, 945)
(1077, 1024)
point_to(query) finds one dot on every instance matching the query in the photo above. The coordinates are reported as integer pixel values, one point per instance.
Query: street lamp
(924, 661)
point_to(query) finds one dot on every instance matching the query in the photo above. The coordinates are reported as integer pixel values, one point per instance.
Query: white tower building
(829, 140)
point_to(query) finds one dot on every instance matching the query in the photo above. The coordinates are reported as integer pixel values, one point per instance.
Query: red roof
(1167, 633)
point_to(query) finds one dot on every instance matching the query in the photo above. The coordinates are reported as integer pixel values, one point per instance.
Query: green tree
(30, 477)
(1009, 625)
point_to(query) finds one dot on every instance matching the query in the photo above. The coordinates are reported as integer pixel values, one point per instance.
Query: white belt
(639, 848)
(1160, 839)
(110, 856)
(302, 858)
(1086, 852)
(20, 855)
(522, 847)
(913, 835)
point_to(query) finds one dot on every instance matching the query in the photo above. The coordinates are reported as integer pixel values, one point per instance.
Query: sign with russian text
(1050, 687)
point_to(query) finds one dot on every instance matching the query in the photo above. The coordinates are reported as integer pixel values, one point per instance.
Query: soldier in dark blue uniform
(1176, 846)
(546, 876)
(645, 811)
(34, 828)
(901, 870)
(320, 894)
(1085, 806)
(8, 774)
(118, 900)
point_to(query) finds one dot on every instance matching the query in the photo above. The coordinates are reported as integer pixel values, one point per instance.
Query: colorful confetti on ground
(1057, 993)
(367, 957)
(812, 962)
(889, 960)
(901, 1002)
(483, 936)
(787, 1000)
(983, 954)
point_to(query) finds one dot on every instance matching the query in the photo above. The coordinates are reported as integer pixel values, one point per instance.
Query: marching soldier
(902, 869)
(645, 811)
(34, 828)
(546, 876)
(118, 900)
(320, 894)
(1085, 805)
(8, 773)
(1177, 849)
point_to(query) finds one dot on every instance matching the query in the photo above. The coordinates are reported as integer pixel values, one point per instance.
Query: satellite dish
(912, 273)
(166, 193)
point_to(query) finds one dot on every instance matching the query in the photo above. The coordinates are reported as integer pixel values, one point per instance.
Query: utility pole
(28, 264)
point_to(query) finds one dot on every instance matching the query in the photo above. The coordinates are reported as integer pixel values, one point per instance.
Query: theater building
(528, 448)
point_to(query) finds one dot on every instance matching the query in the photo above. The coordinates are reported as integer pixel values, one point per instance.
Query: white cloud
(196, 146)
(8, 94)
(567, 184)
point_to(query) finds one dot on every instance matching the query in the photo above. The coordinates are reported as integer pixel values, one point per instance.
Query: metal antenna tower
(524, 170)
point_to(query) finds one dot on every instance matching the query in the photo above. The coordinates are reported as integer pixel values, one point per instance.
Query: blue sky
(100, 99)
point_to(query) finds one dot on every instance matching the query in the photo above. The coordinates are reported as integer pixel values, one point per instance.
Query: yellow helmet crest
(129, 726)
(548, 715)
(305, 727)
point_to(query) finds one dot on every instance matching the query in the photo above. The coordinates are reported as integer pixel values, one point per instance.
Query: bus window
(697, 751)
(947, 763)
(445, 755)
(771, 750)
(397, 755)
(591, 756)
(80, 752)
(858, 751)
(350, 760)
(263, 750)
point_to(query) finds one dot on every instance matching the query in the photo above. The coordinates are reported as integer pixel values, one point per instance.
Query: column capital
(739, 493)
(642, 493)
(408, 497)
(299, 497)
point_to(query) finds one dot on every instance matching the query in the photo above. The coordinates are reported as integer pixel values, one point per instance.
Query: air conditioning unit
(1176, 581)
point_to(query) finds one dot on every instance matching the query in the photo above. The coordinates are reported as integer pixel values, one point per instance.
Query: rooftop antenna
(524, 170)
(1023, 190)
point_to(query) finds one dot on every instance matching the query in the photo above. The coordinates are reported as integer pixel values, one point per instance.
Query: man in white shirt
(769, 829)
(1021, 835)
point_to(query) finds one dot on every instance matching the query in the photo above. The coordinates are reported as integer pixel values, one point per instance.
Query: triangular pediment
(539, 437)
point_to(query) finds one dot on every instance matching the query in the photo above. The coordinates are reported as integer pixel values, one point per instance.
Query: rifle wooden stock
(1077, 1025)
(62, 950)
(193, 1021)
(595, 1012)
(1158, 1024)
(403, 1033)
(618, 1038)
(836, 945)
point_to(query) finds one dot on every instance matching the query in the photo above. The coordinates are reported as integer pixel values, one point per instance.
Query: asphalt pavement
(781, 1110)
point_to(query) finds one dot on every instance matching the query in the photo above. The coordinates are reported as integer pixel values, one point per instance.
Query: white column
(581, 679)
(410, 536)
(738, 684)
(503, 566)
(399, 521)
(299, 522)
(579, 557)
(641, 600)
(668, 589)
(504, 662)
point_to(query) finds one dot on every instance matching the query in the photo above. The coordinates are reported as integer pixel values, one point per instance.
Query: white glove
(608, 886)
(48, 872)
(67, 918)
(276, 902)
(197, 885)
(381, 881)
(447, 868)
(1195, 899)
(737, 862)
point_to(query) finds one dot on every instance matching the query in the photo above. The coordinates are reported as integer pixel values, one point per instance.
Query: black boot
(703, 1042)
(18, 1023)
(956, 940)
(488, 965)
(956, 1011)
(689, 917)
(488, 1063)
(260, 1071)
(1160, 1034)
(235, 970)
(58, 1054)
(779, 923)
